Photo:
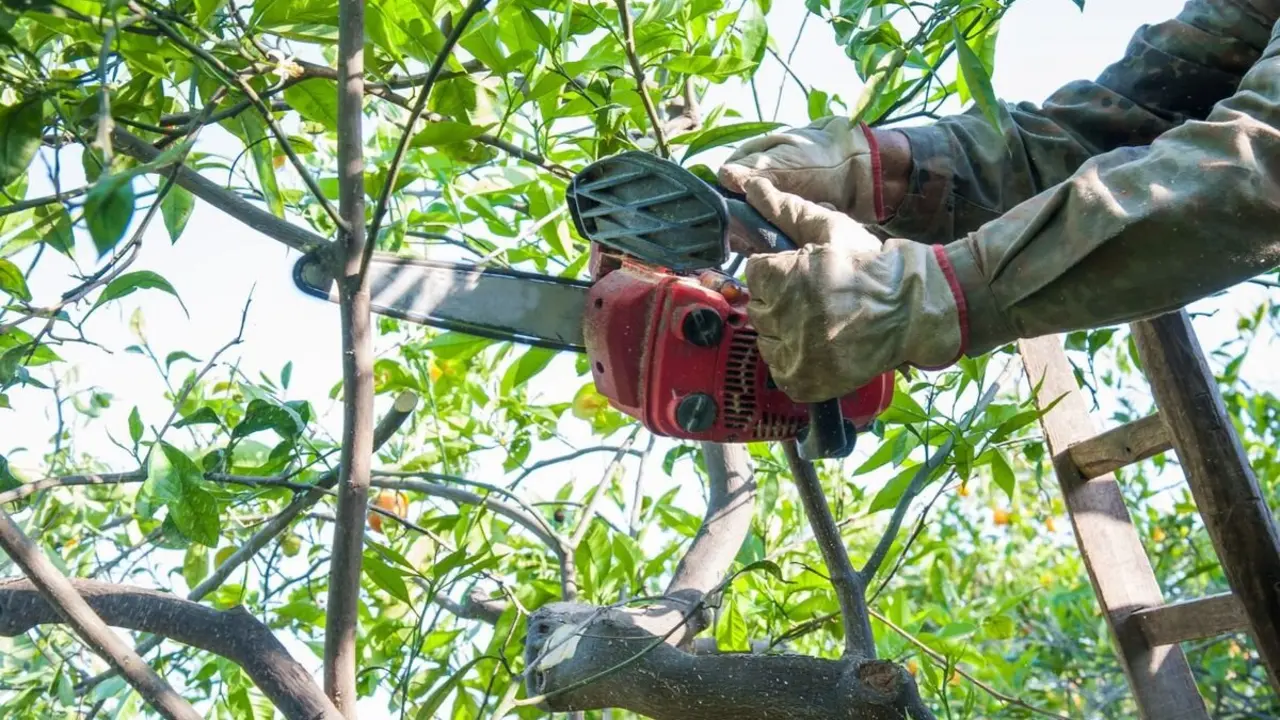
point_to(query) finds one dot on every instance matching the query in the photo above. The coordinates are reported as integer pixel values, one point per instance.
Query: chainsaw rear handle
(828, 434)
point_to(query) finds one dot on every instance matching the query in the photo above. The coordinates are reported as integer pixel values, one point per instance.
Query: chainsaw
(665, 330)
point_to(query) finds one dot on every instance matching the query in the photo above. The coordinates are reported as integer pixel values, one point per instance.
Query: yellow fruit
(1158, 535)
(1000, 517)
(964, 489)
(955, 677)
(913, 667)
(434, 371)
(278, 161)
(1046, 580)
(1050, 525)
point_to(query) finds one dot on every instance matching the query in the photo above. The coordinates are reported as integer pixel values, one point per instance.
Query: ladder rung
(1121, 446)
(1196, 619)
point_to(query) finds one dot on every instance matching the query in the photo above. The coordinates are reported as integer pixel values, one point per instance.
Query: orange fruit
(393, 501)
(913, 667)
(1050, 525)
(1000, 517)
(1158, 535)
(964, 489)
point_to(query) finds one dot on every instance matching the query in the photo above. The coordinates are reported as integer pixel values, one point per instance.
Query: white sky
(1043, 44)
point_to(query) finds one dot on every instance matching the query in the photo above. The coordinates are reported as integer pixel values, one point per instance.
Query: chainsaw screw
(703, 327)
(696, 412)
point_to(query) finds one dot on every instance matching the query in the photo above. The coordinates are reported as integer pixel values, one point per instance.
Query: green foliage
(990, 578)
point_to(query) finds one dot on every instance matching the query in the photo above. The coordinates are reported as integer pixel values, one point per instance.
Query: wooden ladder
(1192, 421)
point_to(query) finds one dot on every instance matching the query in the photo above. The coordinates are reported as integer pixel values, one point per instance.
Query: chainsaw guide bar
(498, 304)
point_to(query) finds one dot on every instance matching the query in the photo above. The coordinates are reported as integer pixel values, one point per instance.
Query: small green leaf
(264, 415)
(134, 281)
(20, 127)
(976, 78)
(768, 566)
(135, 425)
(12, 281)
(202, 416)
(1001, 472)
(108, 210)
(731, 632)
(721, 135)
(314, 100)
(176, 208)
(176, 483)
(446, 132)
(530, 364)
(893, 490)
(195, 564)
(285, 374)
(7, 480)
(255, 134)
(177, 355)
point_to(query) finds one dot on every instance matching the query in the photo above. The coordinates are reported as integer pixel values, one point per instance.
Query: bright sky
(1043, 44)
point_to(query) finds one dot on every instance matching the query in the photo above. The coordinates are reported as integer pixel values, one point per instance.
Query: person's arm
(1138, 231)
(963, 173)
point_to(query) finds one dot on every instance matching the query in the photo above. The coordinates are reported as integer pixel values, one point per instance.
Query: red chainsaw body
(695, 378)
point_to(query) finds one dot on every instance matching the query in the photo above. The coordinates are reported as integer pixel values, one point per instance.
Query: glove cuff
(962, 307)
(986, 326)
(877, 177)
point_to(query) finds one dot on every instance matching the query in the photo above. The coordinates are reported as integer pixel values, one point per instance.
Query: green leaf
(135, 425)
(265, 415)
(315, 100)
(768, 566)
(202, 416)
(446, 132)
(195, 564)
(20, 127)
(205, 10)
(285, 374)
(134, 281)
(427, 710)
(976, 78)
(177, 355)
(12, 281)
(731, 632)
(1001, 472)
(893, 490)
(716, 69)
(530, 364)
(721, 135)
(176, 208)
(7, 480)
(53, 222)
(176, 483)
(386, 577)
(108, 210)
(254, 130)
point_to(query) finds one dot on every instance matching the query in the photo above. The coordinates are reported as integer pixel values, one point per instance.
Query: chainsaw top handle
(660, 212)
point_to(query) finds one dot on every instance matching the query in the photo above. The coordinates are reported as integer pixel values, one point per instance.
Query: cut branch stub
(582, 657)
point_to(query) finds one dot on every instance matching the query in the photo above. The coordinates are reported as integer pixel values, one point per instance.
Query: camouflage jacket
(1117, 199)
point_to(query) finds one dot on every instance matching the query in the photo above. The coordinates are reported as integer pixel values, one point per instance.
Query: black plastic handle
(828, 435)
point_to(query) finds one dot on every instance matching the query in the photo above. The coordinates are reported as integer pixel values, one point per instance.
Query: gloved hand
(836, 313)
(831, 161)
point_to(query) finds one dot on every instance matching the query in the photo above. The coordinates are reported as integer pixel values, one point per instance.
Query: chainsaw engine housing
(682, 359)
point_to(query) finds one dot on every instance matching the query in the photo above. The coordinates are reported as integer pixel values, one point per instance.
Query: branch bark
(264, 222)
(850, 590)
(343, 610)
(234, 634)
(59, 596)
(637, 69)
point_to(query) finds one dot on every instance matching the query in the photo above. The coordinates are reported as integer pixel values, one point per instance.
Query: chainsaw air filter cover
(652, 209)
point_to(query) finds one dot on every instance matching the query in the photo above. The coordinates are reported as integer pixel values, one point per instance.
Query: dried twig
(637, 69)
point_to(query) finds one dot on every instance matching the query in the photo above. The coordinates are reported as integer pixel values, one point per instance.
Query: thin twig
(637, 69)
(420, 105)
(584, 522)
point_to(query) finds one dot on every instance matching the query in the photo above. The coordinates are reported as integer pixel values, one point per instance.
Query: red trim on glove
(962, 308)
(877, 178)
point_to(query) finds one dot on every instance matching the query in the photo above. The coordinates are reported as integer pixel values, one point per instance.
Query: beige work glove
(836, 313)
(831, 161)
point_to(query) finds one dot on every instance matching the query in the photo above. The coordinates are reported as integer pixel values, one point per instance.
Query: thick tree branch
(663, 682)
(59, 596)
(342, 612)
(234, 634)
(730, 505)
(476, 606)
(264, 222)
(850, 590)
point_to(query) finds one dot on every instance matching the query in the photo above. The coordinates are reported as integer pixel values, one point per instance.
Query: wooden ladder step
(1196, 619)
(1121, 446)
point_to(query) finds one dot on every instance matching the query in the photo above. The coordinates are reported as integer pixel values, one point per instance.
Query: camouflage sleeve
(1137, 231)
(965, 172)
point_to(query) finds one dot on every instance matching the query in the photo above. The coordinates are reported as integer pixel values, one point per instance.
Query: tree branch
(730, 505)
(850, 590)
(589, 512)
(342, 612)
(384, 197)
(264, 222)
(477, 606)
(637, 69)
(390, 425)
(61, 598)
(234, 634)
